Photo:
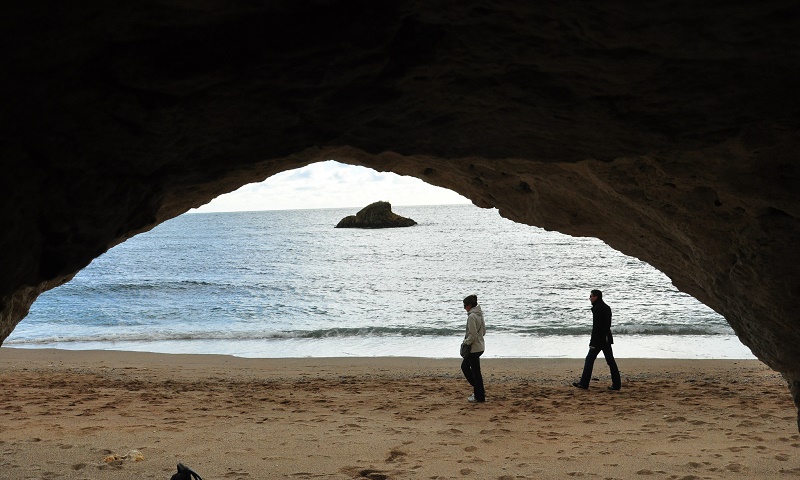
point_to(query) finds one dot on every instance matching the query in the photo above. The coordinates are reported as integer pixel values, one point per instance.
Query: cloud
(331, 184)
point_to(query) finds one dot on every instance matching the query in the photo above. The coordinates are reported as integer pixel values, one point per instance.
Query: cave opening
(231, 278)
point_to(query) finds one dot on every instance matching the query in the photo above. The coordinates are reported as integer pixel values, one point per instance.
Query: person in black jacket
(601, 341)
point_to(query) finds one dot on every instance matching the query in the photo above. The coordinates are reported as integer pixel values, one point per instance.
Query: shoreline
(502, 346)
(113, 414)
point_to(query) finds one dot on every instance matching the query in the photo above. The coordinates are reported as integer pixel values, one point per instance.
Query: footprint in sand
(236, 474)
(673, 419)
(395, 456)
(367, 473)
(733, 467)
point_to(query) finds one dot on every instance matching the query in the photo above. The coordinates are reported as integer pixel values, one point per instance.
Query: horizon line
(194, 210)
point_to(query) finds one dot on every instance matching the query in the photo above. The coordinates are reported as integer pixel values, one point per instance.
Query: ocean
(288, 284)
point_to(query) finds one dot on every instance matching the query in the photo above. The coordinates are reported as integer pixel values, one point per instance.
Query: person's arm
(601, 326)
(597, 329)
(472, 330)
(607, 326)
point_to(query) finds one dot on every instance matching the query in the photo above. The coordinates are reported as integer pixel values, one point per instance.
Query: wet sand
(123, 415)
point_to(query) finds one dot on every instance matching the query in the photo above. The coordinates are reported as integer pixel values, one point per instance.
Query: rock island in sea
(375, 215)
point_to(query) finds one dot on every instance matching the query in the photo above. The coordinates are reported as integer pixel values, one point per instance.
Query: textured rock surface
(375, 215)
(670, 130)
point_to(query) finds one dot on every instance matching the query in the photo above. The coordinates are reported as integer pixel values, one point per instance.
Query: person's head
(595, 295)
(470, 302)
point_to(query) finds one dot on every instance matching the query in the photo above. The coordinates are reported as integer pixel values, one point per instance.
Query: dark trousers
(616, 382)
(471, 366)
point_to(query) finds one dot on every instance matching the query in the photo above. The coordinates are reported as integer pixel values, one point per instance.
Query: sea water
(289, 284)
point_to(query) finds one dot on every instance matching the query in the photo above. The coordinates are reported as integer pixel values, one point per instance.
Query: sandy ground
(121, 415)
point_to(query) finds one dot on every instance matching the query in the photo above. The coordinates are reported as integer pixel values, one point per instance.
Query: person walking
(471, 365)
(601, 341)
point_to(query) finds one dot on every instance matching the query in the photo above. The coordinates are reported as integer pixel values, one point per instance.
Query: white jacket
(476, 329)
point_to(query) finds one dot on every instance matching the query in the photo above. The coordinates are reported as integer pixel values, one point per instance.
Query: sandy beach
(122, 415)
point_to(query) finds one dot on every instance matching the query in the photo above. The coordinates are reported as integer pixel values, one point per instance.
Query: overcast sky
(331, 184)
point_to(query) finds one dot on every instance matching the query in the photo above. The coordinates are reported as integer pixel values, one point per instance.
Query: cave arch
(668, 130)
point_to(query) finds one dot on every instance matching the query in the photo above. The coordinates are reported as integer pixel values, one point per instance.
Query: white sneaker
(471, 399)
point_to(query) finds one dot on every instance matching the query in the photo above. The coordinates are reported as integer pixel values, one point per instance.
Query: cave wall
(668, 129)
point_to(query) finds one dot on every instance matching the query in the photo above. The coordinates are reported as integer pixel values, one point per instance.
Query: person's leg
(477, 378)
(616, 381)
(467, 371)
(587, 367)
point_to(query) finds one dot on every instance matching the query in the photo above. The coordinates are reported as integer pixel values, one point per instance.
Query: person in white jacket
(471, 365)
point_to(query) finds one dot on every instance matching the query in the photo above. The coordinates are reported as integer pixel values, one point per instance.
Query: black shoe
(578, 385)
(612, 387)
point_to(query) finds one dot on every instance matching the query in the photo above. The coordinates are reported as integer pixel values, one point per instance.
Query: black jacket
(601, 324)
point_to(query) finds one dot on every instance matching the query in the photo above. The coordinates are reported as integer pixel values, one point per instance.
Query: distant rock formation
(376, 215)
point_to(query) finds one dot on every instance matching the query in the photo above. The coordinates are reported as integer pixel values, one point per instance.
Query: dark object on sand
(186, 473)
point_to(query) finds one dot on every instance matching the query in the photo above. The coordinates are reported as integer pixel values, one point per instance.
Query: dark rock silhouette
(375, 215)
